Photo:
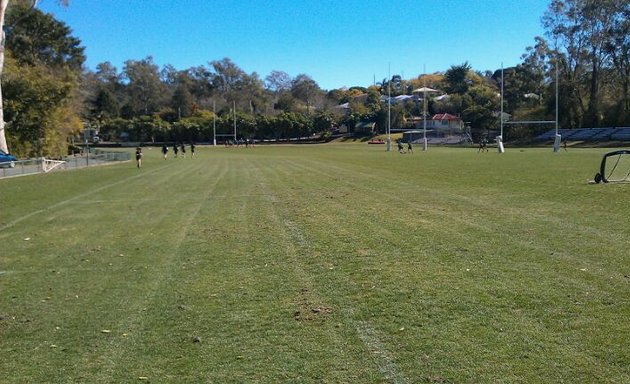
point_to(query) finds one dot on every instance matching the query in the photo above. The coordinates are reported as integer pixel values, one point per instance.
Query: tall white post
(425, 144)
(234, 103)
(389, 108)
(501, 116)
(3, 141)
(557, 81)
(558, 140)
(214, 123)
(499, 138)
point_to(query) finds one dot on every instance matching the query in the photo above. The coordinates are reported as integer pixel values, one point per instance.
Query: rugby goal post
(556, 143)
(500, 147)
(558, 137)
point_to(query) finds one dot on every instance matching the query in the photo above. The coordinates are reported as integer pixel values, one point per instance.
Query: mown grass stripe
(74, 198)
(112, 357)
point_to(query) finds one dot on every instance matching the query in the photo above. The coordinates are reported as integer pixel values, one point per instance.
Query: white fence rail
(42, 165)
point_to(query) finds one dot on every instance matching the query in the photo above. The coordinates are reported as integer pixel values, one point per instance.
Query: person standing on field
(164, 151)
(183, 151)
(400, 147)
(138, 157)
(175, 150)
(483, 145)
(192, 149)
(409, 147)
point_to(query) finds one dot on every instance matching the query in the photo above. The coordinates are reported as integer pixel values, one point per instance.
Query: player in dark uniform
(483, 145)
(138, 157)
(400, 147)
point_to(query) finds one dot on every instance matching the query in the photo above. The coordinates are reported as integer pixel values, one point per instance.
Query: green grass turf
(318, 264)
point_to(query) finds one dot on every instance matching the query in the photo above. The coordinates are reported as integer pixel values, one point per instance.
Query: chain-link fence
(31, 166)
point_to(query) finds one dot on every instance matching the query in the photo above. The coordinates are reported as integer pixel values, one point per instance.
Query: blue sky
(337, 43)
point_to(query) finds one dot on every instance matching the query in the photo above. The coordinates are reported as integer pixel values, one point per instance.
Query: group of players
(401, 149)
(483, 147)
(176, 150)
(237, 143)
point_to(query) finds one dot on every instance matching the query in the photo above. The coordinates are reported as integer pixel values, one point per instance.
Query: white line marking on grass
(295, 233)
(385, 362)
(110, 201)
(368, 335)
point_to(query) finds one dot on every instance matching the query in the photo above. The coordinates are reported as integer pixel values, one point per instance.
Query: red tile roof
(444, 116)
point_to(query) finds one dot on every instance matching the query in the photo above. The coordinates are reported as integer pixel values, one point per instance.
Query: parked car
(7, 160)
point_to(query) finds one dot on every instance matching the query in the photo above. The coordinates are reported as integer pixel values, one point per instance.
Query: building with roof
(444, 122)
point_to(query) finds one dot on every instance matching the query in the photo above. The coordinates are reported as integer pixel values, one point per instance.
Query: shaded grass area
(332, 264)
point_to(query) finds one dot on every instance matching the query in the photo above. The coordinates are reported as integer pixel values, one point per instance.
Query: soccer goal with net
(49, 165)
(614, 168)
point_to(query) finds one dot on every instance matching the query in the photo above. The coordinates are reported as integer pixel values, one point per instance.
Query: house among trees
(444, 123)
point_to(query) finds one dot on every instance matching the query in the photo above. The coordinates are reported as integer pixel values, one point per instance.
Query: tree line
(50, 97)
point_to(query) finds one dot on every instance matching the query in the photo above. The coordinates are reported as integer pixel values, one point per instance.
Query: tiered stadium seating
(588, 134)
(604, 134)
(584, 134)
(621, 134)
(549, 135)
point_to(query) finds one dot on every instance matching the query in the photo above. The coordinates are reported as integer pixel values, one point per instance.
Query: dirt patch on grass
(308, 309)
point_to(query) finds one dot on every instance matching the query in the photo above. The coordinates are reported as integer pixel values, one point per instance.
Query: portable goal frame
(614, 170)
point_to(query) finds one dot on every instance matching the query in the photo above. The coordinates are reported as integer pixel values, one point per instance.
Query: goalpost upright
(388, 147)
(558, 137)
(214, 123)
(500, 137)
(425, 145)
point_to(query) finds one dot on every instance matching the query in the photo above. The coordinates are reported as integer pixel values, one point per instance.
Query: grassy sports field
(318, 264)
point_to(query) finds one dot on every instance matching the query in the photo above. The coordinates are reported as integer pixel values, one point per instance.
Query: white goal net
(614, 168)
(49, 165)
